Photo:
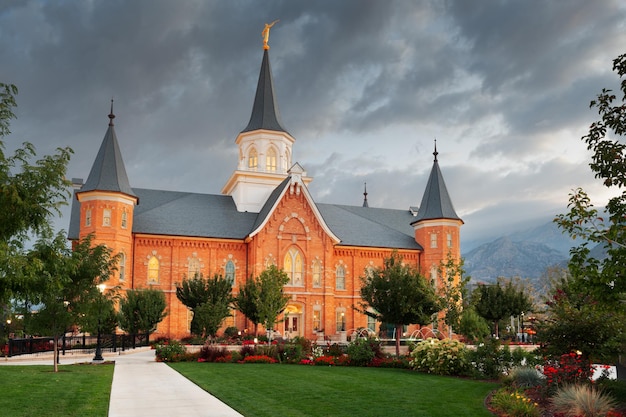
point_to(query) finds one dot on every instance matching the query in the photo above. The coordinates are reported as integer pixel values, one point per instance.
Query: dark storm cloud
(364, 87)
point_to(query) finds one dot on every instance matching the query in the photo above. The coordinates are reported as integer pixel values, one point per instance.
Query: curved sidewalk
(143, 387)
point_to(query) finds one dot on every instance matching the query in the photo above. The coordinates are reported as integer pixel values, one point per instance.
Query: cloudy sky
(364, 86)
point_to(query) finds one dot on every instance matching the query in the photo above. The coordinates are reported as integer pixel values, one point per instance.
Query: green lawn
(257, 390)
(76, 390)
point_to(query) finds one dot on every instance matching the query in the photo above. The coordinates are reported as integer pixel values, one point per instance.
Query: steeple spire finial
(266, 33)
(111, 115)
(365, 196)
(435, 153)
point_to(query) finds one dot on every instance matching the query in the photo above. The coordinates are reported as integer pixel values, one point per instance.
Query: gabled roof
(293, 180)
(436, 202)
(173, 213)
(265, 113)
(108, 172)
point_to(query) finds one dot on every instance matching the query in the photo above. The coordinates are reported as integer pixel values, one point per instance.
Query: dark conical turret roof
(265, 109)
(108, 172)
(436, 202)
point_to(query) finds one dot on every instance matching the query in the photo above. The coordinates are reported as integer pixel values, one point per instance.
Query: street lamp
(98, 357)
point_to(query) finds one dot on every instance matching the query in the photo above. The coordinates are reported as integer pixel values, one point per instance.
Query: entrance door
(293, 324)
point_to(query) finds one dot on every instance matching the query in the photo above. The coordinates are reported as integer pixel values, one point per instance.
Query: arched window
(122, 266)
(317, 273)
(293, 267)
(153, 270)
(340, 279)
(253, 159)
(193, 268)
(270, 160)
(229, 272)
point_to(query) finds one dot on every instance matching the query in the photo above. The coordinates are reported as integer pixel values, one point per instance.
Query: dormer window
(270, 160)
(253, 160)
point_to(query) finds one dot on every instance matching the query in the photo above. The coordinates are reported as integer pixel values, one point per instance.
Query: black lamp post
(98, 357)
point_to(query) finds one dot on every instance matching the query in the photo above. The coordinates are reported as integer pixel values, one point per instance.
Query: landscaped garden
(437, 378)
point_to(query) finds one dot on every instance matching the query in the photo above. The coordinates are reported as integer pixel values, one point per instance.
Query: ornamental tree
(602, 280)
(248, 303)
(606, 278)
(398, 294)
(272, 298)
(209, 299)
(452, 291)
(66, 283)
(141, 310)
(494, 302)
(31, 192)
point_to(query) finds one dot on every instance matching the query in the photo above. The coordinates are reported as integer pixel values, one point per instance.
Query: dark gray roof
(436, 202)
(215, 216)
(265, 113)
(190, 214)
(370, 227)
(108, 172)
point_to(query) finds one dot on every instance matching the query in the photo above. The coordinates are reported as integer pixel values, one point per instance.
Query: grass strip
(35, 390)
(258, 390)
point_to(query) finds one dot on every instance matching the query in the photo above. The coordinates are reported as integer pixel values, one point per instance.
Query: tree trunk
(55, 351)
(398, 336)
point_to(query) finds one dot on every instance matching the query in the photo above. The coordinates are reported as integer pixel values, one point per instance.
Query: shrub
(362, 351)
(170, 352)
(291, 353)
(334, 350)
(306, 344)
(212, 353)
(271, 351)
(514, 404)
(391, 362)
(582, 401)
(526, 377)
(246, 350)
(491, 359)
(441, 357)
(523, 357)
(571, 368)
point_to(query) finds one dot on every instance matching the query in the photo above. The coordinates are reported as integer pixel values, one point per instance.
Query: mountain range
(525, 254)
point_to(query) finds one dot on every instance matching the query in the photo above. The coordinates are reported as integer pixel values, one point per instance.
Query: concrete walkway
(143, 387)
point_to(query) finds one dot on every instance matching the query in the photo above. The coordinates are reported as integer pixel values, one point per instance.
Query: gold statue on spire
(266, 34)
